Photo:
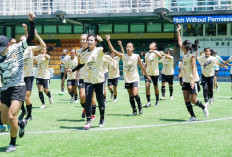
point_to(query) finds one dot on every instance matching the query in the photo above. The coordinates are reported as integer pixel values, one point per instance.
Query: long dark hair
(190, 46)
(49, 48)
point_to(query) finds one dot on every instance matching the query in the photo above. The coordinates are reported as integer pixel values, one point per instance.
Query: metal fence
(40, 7)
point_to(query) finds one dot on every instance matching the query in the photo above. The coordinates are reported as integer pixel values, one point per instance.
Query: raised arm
(112, 48)
(39, 47)
(167, 56)
(30, 38)
(120, 44)
(193, 62)
(99, 39)
(25, 29)
(179, 37)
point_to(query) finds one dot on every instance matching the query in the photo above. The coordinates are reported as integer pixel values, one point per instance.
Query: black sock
(41, 97)
(190, 109)
(132, 102)
(71, 94)
(88, 119)
(62, 89)
(148, 98)
(102, 112)
(0, 119)
(115, 96)
(111, 92)
(200, 105)
(137, 98)
(49, 94)
(205, 94)
(83, 105)
(93, 109)
(163, 91)
(171, 90)
(13, 141)
(29, 108)
(104, 98)
(75, 96)
(157, 97)
(23, 107)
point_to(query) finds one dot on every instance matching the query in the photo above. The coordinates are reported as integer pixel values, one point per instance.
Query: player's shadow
(35, 107)
(71, 127)
(71, 120)
(3, 149)
(118, 114)
(173, 120)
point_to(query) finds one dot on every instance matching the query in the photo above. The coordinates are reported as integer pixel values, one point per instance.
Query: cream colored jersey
(152, 62)
(0, 83)
(130, 68)
(114, 68)
(70, 64)
(63, 59)
(208, 70)
(230, 59)
(93, 61)
(188, 69)
(168, 68)
(107, 59)
(42, 70)
(181, 70)
(82, 70)
(28, 62)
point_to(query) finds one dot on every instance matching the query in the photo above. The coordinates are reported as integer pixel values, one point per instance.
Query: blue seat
(198, 68)
(222, 69)
(176, 68)
(199, 73)
(198, 64)
(221, 73)
(227, 73)
(176, 73)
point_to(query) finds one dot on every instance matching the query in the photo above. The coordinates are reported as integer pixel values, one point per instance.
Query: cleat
(114, 100)
(112, 96)
(140, 110)
(51, 100)
(148, 104)
(192, 119)
(206, 112)
(22, 115)
(157, 103)
(28, 118)
(10, 148)
(207, 104)
(211, 101)
(43, 106)
(2, 128)
(93, 118)
(101, 123)
(87, 125)
(171, 98)
(61, 93)
(134, 113)
(76, 101)
(217, 89)
(162, 98)
(22, 125)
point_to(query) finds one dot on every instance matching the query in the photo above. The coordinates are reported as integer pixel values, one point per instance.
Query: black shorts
(81, 83)
(113, 82)
(154, 79)
(29, 82)
(72, 83)
(131, 85)
(216, 73)
(106, 77)
(196, 89)
(13, 93)
(0, 94)
(168, 78)
(43, 82)
(62, 75)
(231, 77)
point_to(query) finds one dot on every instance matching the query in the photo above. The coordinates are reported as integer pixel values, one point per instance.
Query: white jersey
(63, 59)
(114, 68)
(152, 62)
(230, 59)
(82, 70)
(70, 64)
(130, 68)
(28, 62)
(43, 69)
(207, 65)
(168, 68)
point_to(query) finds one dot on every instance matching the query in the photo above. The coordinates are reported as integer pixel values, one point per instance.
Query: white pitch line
(128, 127)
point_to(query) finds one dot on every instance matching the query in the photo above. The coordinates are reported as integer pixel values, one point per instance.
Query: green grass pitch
(160, 131)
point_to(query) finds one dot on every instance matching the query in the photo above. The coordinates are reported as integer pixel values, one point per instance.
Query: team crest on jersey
(13, 55)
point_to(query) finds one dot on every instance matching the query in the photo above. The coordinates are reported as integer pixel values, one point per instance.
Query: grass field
(160, 131)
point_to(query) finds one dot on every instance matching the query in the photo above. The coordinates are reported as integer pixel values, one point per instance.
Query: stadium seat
(221, 73)
(199, 72)
(227, 73)
(198, 68)
(198, 64)
(176, 68)
(176, 73)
